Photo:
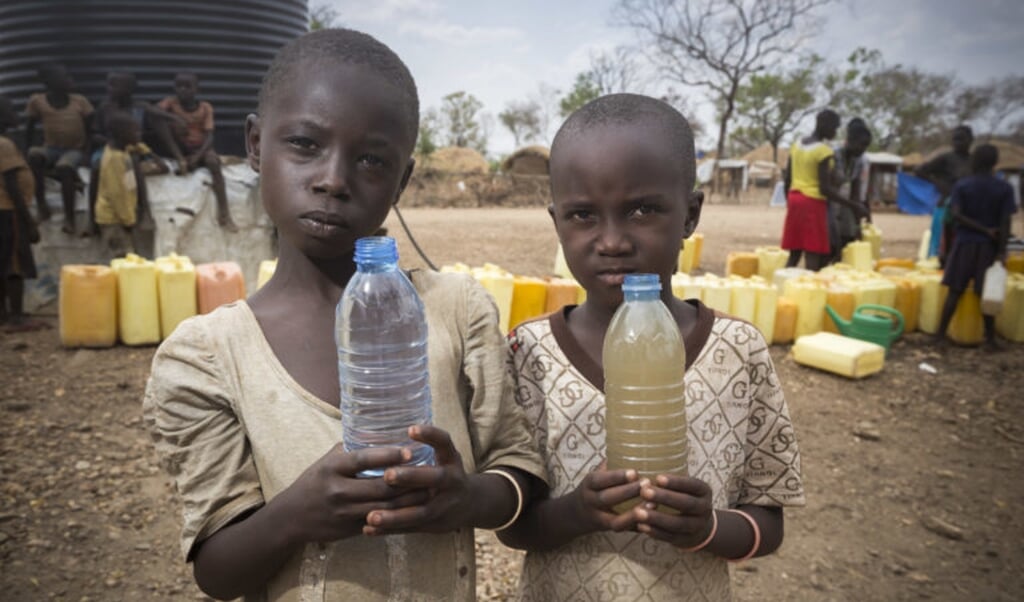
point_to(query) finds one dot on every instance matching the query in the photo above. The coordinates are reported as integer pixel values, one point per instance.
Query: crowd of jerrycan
(842, 319)
(140, 302)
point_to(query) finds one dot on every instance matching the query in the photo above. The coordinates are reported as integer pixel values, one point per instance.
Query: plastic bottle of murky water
(645, 404)
(381, 333)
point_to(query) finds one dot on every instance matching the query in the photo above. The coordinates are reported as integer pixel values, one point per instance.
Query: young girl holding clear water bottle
(622, 175)
(243, 402)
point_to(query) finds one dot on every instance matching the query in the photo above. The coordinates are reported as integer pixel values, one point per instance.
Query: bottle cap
(639, 283)
(376, 250)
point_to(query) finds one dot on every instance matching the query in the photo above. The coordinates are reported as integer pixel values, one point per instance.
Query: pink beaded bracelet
(757, 536)
(703, 544)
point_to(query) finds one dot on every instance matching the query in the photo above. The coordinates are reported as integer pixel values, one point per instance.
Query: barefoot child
(622, 175)
(17, 228)
(980, 205)
(243, 402)
(65, 117)
(192, 144)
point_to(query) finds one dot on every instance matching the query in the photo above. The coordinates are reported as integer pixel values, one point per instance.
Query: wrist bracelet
(707, 540)
(757, 536)
(519, 496)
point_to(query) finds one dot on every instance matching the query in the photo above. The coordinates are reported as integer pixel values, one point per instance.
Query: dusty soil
(913, 479)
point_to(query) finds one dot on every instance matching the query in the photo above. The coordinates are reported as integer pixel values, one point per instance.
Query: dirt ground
(913, 479)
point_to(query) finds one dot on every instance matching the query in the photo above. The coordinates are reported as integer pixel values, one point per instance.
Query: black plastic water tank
(228, 44)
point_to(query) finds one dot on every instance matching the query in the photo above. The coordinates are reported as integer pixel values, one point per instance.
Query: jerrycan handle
(882, 309)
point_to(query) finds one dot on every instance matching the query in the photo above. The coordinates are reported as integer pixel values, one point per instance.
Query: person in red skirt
(809, 187)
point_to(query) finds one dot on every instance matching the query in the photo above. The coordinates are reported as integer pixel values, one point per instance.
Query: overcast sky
(501, 51)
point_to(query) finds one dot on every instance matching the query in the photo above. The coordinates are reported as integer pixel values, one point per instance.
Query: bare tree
(615, 71)
(717, 44)
(991, 106)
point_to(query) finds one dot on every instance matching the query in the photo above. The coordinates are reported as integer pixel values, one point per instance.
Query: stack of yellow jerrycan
(176, 290)
(782, 275)
(500, 285)
(741, 264)
(689, 255)
(967, 327)
(894, 262)
(1010, 321)
(87, 306)
(742, 298)
(770, 259)
(267, 269)
(786, 314)
(529, 298)
(685, 286)
(908, 301)
(811, 296)
(715, 293)
(858, 255)
(219, 283)
(839, 354)
(932, 298)
(766, 307)
(138, 306)
(872, 234)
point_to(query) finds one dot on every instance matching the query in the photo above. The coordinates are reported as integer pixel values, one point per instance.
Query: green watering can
(873, 323)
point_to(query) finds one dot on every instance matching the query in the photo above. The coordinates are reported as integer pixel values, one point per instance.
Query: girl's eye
(580, 215)
(371, 161)
(301, 143)
(643, 210)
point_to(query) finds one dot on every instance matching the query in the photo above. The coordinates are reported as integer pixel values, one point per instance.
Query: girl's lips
(319, 228)
(612, 278)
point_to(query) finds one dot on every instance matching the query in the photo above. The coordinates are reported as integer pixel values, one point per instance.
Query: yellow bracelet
(519, 496)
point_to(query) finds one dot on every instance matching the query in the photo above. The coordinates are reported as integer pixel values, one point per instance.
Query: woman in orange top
(809, 186)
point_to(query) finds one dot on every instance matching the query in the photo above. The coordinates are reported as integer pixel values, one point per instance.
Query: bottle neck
(643, 295)
(376, 267)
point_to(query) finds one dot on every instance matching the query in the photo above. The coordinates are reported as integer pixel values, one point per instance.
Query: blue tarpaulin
(915, 195)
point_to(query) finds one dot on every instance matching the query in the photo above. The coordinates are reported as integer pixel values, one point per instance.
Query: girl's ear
(405, 180)
(252, 141)
(693, 206)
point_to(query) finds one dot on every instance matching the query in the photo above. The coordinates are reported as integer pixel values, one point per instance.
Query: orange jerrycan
(138, 304)
(740, 264)
(1015, 263)
(561, 292)
(176, 288)
(219, 283)
(786, 313)
(529, 298)
(87, 306)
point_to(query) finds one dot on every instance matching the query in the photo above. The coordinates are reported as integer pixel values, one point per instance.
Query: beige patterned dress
(741, 443)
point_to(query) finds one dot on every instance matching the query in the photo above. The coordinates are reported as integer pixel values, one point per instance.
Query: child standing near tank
(192, 143)
(621, 205)
(17, 228)
(65, 117)
(243, 402)
(980, 207)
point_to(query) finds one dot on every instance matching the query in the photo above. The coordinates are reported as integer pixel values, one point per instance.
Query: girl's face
(621, 205)
(333, 152)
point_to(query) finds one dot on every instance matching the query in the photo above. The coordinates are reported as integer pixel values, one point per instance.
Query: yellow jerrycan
(967, 327)
(499, 284)
(267, 269)
(932, 298)
(529, 298)
(138, 304)
(766, 308)
(872, 234)
(176, 289)
(689, 255)
(811, 297)
(741, 264)
(743, 298)
(858, 255)
(561, 292)
(87, 306)
(841, 300)
(845, 356)
(770, 259)
(786, 313)
(1010, 321)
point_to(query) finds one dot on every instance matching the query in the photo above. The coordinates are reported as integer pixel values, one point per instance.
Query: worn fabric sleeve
(189, 413)
(497, 426)
(772, 475)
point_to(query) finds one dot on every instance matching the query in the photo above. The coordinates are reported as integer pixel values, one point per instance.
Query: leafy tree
(583, 91)
(718, 44)
(461, 123)
(426, 141)
(322, 16)
(990, 106)
(523, 119)
(908, 109)
(771, 105)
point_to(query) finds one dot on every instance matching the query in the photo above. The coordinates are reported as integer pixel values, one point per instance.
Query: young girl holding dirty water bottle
(243, 402)
(622, 204)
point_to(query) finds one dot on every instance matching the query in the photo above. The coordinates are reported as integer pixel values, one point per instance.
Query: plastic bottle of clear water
(381, 334)
(645, 403)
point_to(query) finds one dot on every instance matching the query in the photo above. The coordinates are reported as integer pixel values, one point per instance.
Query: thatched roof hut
(763, 153)
(456, 159)
(527, 161)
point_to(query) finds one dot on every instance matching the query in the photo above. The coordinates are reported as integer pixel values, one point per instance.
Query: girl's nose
(332, 178)
(613, 240)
